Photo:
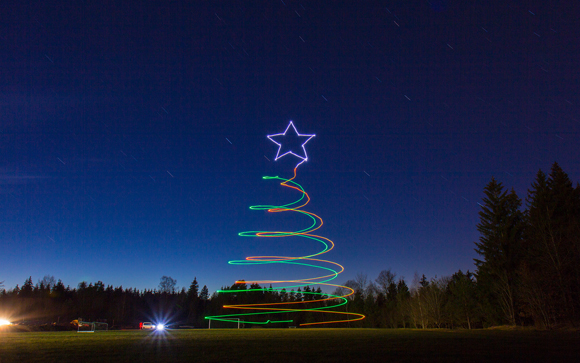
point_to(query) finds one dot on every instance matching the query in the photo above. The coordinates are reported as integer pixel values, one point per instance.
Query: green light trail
(322, 303)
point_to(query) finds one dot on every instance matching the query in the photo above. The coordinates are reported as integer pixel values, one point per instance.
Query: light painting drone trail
(324, 303)
(290, 152)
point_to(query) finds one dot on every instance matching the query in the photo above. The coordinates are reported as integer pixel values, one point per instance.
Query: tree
(48, 281)
(361, 280)
(167, 285)
(417, 304)
(462, 302)
(536, 277)
(403, 297)
(424, 282)
(501, 227)
(434, 298)
(307, 294)
(27, 287)
(384, 280)
(193, 289)
(204, 294)
(356, 304)
(192, 301)
(564, 241)
(283, 295)
(551, 267)
(298, 296)
(387, 287)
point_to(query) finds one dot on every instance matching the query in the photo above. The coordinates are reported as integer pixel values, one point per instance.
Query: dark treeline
(50, 302)
(527, 273)
(50, 305)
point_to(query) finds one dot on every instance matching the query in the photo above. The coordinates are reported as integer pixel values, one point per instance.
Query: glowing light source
(317, 302)
(4, 322)
(278, 139)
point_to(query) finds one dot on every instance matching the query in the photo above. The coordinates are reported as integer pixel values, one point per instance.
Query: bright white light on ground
(4, 322)
(160, 327)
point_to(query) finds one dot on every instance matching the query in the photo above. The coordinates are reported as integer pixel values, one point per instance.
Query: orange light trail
(324, 305)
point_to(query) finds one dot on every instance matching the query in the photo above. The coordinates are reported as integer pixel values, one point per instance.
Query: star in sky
(291, 142)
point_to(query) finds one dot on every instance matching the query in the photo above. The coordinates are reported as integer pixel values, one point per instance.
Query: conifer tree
(27, 287)
(501, 228)
(192, 301)
(193, 289)
(204, 294)
(298, 295)
(462, 302)
(551, 268)
(403, 297)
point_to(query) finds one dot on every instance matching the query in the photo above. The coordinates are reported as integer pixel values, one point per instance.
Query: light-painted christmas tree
(305, 306)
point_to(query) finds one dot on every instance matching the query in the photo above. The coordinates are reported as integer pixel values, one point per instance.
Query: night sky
(133, 134)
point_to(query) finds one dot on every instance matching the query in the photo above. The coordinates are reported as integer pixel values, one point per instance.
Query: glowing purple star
(301, 138)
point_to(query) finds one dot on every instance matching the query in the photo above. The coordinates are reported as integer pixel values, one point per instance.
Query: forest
(527, 273)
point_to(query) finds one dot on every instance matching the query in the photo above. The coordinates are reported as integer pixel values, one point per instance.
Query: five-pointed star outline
(305, 137)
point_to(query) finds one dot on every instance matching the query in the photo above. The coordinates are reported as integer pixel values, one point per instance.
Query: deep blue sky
(115, 117)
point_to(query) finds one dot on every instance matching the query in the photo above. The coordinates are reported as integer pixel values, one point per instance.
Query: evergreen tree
(193, 290)
(307, 296)
(298, 296)
(501, 227)
(283, 295)
(320, 295)
(256, 295)
(565, 201)
(27, 287)
(403, 296)
(370, 310)
(292, 296)
(551, 268)
(204, 294)
(461, 306)
(192, 301)
(536, 277)
(424, 282)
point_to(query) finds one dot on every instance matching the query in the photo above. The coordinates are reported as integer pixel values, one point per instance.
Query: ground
(292, 345)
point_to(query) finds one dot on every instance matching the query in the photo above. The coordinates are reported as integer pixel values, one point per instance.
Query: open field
(292, 345)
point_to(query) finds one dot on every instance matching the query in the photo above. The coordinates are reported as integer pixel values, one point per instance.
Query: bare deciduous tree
(48, 281)
(385, 279)
(167, 284)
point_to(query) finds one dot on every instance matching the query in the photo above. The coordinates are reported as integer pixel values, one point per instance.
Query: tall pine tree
(551, 267)
(193, 302)
(501, 227)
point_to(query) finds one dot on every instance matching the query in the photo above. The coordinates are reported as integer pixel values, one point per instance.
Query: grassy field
(292, 345)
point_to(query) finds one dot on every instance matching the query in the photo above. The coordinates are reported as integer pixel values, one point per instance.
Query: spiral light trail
(322, 303)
